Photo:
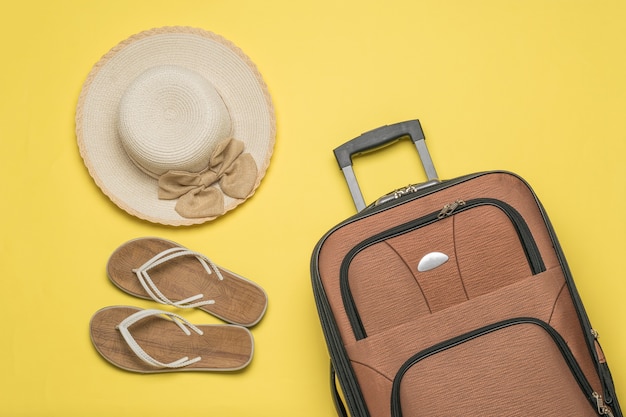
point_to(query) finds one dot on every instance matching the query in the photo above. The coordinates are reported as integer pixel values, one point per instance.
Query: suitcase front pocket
(465, 250)
(517, 367)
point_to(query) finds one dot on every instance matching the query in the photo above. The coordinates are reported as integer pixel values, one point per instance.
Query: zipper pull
(603, 410)
(449, 208)
(599, 352)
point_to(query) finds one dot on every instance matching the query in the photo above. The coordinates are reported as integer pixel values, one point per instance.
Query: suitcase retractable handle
(378, 138)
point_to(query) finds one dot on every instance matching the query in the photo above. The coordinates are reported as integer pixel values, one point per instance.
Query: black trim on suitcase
(579, 376)
(526, 239)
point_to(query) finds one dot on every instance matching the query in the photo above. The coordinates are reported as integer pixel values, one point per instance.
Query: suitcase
(453, 298)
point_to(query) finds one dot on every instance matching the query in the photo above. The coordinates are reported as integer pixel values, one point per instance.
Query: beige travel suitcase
(454, 298)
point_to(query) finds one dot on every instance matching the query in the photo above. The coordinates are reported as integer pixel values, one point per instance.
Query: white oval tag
(432, 260)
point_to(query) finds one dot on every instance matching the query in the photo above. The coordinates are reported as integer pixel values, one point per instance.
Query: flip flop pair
(159, 341)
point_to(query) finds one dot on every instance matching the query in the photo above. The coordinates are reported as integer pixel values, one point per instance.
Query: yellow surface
(537, 87)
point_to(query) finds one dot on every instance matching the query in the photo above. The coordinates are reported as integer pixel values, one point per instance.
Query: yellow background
(536, 87)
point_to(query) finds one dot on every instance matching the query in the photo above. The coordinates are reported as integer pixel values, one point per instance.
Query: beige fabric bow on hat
(231, 168)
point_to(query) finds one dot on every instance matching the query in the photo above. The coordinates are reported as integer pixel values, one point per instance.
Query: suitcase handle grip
(378, 138)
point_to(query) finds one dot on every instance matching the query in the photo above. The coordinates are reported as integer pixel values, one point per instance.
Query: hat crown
(171, 118)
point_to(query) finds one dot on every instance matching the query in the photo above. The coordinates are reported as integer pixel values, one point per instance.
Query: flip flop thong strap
(167, 255)
(123, 327)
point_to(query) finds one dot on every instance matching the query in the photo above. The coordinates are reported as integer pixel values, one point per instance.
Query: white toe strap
(132, 343)
(167, 255)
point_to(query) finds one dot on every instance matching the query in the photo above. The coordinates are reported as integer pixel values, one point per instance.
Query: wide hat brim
(222, 63)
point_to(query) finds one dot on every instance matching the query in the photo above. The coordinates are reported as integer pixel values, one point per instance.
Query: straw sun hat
(176, 125)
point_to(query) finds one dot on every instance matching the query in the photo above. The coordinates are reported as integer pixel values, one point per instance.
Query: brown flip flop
(162, 270)
(151, 341)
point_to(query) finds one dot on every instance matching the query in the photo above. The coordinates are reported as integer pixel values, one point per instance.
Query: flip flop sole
(221, 347)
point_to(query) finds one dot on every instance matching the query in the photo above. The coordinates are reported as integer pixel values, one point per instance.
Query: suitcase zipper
(603, 410)
(528, 243)
(449, 208)
(594, 398)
